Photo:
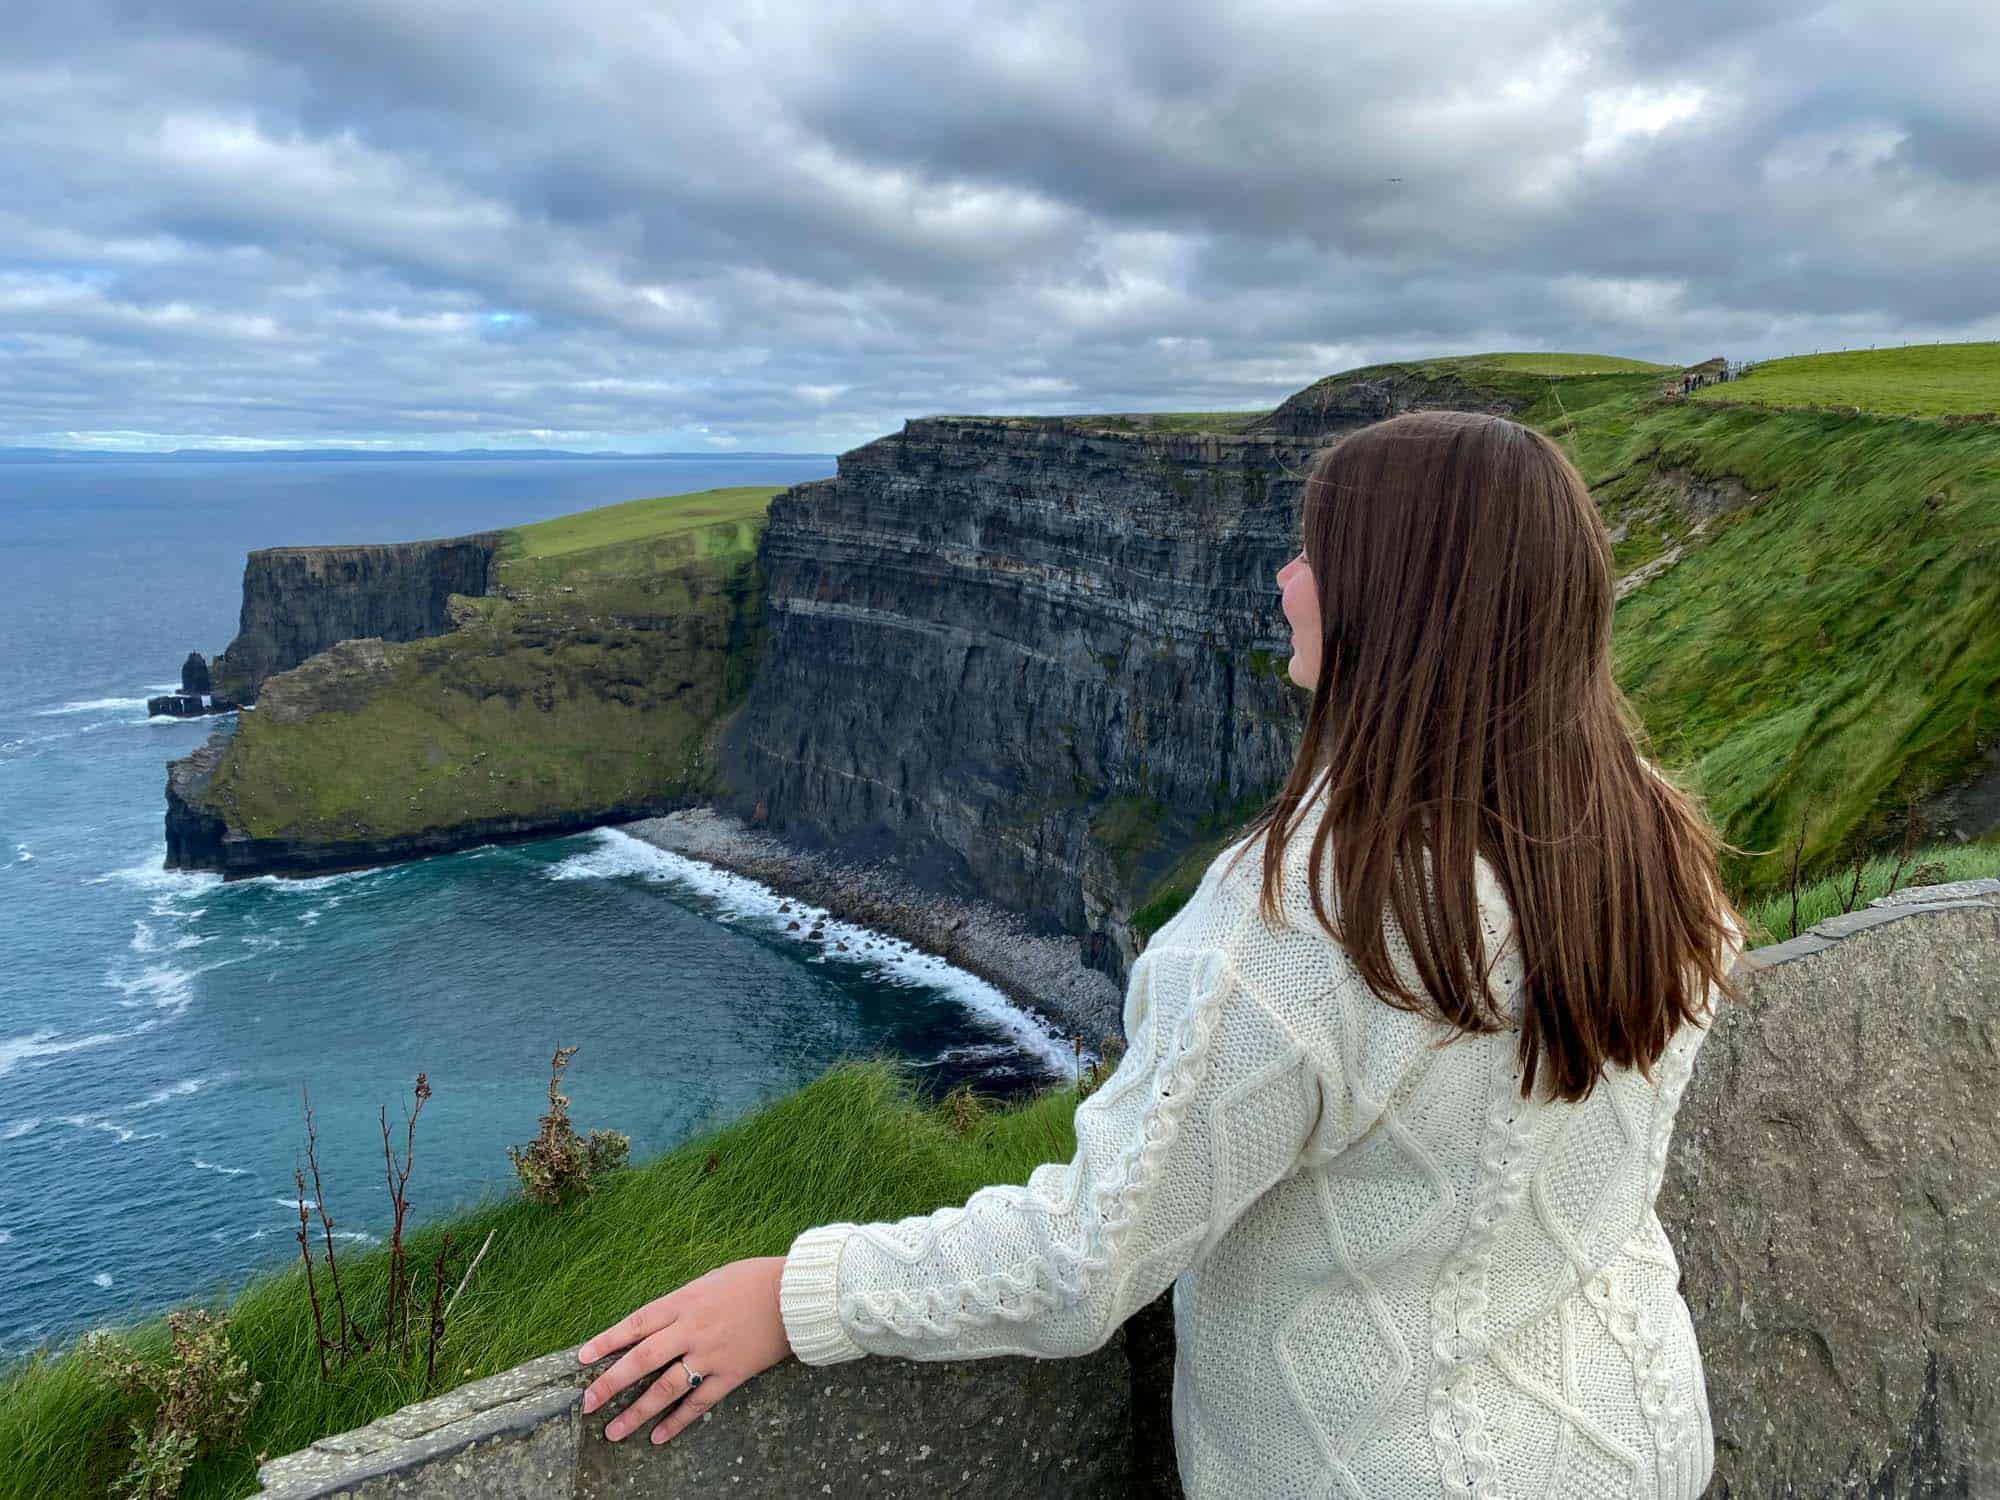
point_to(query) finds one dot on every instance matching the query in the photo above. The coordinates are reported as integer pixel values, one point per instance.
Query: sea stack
(194, 674)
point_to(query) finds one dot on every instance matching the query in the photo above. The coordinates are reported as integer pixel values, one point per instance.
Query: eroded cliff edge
(300, 600)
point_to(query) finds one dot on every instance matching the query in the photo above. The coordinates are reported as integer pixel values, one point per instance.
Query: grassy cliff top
(636, 521)
(1914, 380)
(1461, 367)
(1534, 364)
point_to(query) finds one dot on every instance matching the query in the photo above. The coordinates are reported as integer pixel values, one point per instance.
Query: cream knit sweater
(1392, 1276)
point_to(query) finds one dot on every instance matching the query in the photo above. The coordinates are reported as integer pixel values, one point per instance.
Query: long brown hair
(1465, 706)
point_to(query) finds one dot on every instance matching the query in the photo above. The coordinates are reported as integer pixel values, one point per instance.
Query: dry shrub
(201, 1390)
(558, 1165)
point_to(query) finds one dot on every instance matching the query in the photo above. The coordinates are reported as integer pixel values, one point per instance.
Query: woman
(1399, 1163)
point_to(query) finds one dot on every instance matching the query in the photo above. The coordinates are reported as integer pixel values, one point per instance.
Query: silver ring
(694, 1378)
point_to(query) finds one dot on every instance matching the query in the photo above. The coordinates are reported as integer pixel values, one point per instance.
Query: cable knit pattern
(1392, 1275)
(1458, 1310)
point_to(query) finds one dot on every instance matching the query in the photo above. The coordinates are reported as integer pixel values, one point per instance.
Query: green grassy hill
(1828, 644)
(1914, 380)
(611, 644)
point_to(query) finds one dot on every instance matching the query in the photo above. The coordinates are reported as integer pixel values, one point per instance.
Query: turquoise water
(157, 1028)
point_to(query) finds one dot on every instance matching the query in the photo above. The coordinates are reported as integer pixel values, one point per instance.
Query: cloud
(429, 222)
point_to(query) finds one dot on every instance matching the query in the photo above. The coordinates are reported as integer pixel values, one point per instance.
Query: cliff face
(1026, 659)
(1342, 402)
(299, 600)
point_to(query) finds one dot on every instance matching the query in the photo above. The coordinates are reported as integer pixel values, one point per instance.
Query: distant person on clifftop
(1399, 1087)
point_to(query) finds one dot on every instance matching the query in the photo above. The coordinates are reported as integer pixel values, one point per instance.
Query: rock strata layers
(301, 600)
(1026, 660)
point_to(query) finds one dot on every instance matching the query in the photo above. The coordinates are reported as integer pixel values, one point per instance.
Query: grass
(1831, 645)
(1168, 421)
(636, 520)
(1914, 380)
(1770, 918)
(855, 1143)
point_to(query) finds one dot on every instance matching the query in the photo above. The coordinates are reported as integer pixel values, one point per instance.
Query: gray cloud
(440, 223)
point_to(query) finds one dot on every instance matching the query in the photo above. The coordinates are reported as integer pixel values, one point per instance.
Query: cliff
(1041, 660)
(580, 690)
(1029, 660)
(301, 600)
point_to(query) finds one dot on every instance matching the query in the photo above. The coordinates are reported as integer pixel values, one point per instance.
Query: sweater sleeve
(1210, 1105)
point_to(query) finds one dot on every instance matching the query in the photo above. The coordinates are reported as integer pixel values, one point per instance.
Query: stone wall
(1832, 1193)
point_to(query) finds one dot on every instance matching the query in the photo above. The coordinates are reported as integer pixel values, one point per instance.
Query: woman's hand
(726, 1325)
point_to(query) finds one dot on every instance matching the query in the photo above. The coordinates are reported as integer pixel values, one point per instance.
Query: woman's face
(1300, 599)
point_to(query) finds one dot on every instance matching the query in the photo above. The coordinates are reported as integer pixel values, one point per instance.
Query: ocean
(160, 1029)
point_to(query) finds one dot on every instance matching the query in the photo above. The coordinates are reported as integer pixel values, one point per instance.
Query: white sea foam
(163, 986)
(215, 1166)
(18, 1049)
(93, 705)
(735, 896)
(975, 1052)
(159, 985)
(180, 1090)
(143, 940)
(293, 1204)
(154, 875)
(21, 854)
(297, 885)
(20, 1128)
(318, 1234)
(6, 1235)
(102, 1278)
(109, 1127)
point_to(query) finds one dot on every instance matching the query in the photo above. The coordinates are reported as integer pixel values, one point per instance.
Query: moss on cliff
(609, 645)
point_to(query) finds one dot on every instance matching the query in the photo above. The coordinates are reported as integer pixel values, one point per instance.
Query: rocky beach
(1039, 973)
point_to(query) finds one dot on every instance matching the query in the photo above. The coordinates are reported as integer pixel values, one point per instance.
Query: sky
(633, 226)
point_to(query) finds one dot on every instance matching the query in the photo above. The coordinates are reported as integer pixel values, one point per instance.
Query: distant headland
(348, 455)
